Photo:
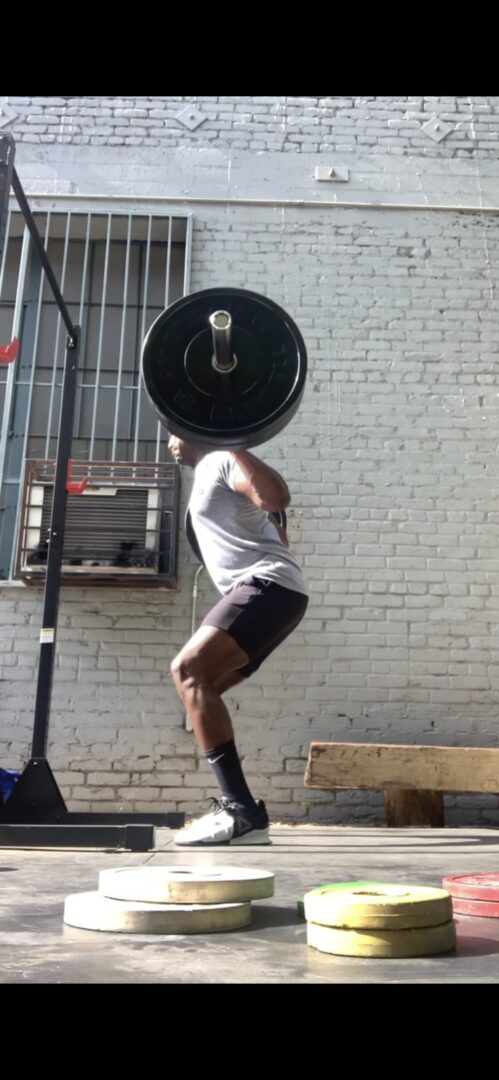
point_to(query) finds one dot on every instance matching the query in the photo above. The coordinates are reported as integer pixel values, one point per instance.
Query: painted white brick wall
(392, 459)
(392, 125)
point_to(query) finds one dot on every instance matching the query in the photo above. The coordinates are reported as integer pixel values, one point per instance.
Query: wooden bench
(412, 778)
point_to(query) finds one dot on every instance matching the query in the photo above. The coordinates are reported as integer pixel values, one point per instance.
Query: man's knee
(178, 670)
(209, 658)
(188, 670)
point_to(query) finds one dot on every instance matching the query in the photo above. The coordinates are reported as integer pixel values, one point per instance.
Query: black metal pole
(56, 538)
(40, 250)
(7, 155)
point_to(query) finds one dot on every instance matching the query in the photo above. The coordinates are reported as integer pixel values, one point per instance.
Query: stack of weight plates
(380, 920)
(170, 900)
(474, 894)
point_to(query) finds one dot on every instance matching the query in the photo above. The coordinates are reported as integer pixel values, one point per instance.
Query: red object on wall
(8, 353)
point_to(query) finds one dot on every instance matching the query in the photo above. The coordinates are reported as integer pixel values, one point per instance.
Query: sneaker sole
(257, 836)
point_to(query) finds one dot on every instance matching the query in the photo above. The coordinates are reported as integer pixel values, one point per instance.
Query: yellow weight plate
(332, 886)
(390, 907)
(423, 941)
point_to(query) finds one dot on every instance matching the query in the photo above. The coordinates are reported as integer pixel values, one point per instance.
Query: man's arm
(263, 485)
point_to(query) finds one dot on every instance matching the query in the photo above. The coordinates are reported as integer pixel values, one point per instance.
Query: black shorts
(258, 614)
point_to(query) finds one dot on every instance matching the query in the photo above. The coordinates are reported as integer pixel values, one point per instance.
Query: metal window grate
(117, 272)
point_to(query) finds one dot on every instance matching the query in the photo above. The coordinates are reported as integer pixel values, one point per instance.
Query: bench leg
(406, 806)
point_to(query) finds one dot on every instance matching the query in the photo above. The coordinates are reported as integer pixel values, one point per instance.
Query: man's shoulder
(215, 468)
(215, 462)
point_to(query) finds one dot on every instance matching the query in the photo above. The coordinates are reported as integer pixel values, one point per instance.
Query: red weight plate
(473, 886)
(479, 908)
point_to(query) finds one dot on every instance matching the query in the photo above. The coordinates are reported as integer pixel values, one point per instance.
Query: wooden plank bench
(412, 778)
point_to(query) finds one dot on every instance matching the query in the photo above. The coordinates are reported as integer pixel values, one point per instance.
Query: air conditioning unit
(121, 523)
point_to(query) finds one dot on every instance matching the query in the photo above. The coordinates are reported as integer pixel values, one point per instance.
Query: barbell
(224, 368)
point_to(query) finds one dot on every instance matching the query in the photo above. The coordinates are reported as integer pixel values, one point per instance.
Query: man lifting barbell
(225, 370)
(264, 597)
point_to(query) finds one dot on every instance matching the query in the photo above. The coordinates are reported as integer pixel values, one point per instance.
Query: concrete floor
(36, 947)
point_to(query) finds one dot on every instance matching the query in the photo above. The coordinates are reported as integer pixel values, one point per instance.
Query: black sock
(224, 760)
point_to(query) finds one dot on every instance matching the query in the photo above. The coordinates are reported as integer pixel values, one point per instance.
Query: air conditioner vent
(121, 529)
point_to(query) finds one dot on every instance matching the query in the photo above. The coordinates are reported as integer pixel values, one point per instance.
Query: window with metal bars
(117, 272)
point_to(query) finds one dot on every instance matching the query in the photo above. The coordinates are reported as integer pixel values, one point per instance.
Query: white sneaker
(229, 823)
